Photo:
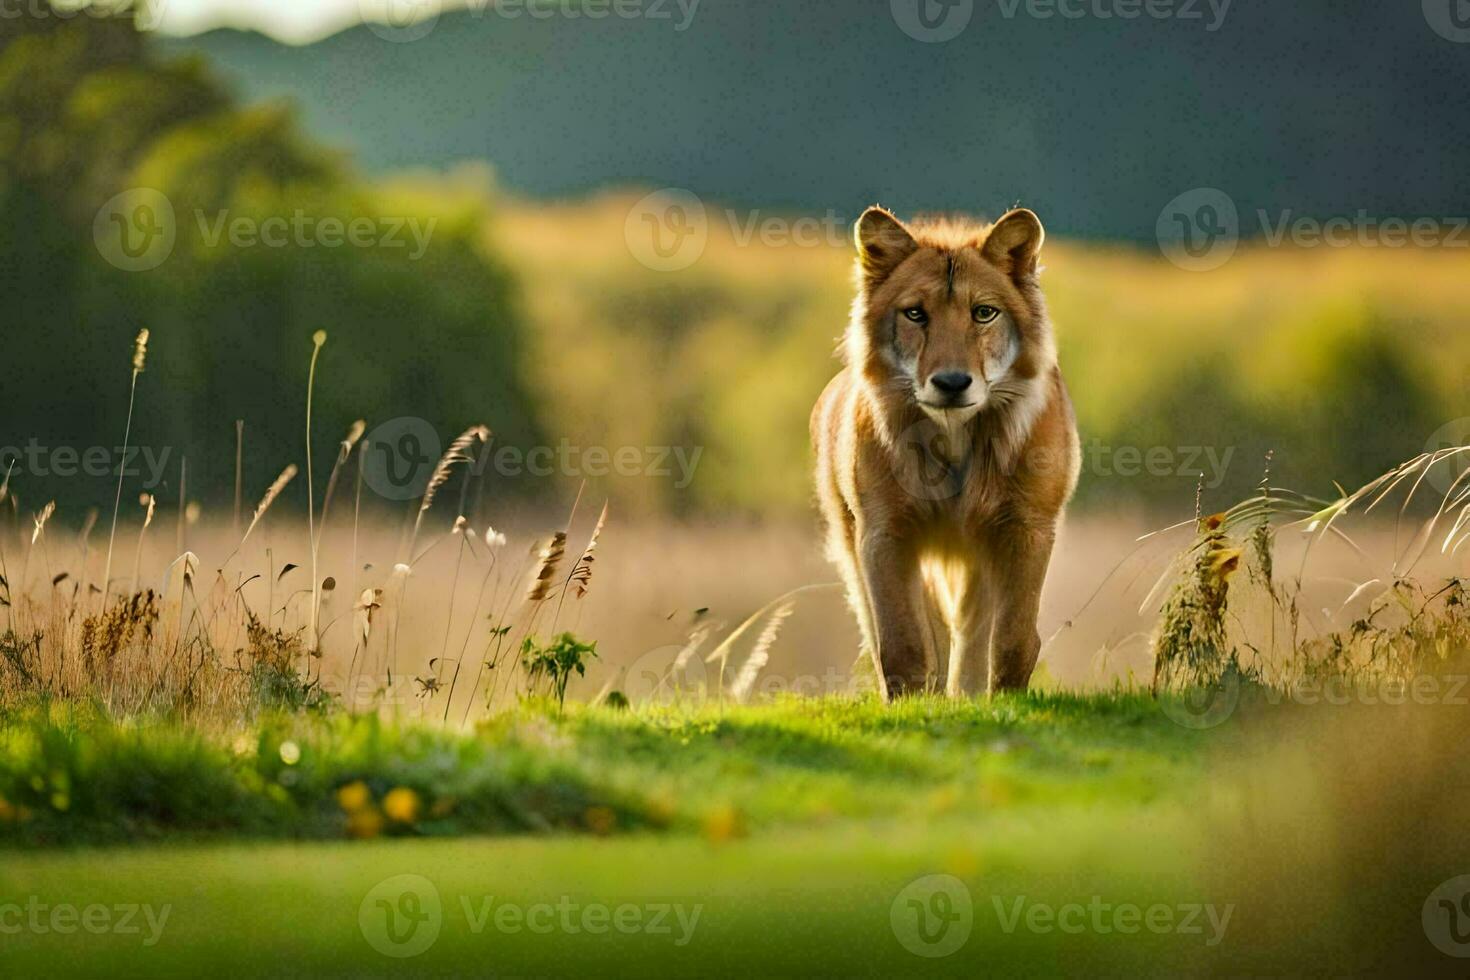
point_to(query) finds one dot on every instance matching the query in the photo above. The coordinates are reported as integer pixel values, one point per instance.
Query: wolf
(947, 451)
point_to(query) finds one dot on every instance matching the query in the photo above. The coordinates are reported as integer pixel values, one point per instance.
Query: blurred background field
(535, 311)
(534, 315)
(502, 170)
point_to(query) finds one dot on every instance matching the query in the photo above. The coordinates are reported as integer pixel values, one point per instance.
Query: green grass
(70, 774)
(799, 831)
(768, 906)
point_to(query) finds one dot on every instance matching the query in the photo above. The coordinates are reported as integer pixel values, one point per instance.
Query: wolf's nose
(951, 382)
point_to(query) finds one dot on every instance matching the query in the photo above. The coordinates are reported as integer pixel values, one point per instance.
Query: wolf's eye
(916, 314)
(984, 314)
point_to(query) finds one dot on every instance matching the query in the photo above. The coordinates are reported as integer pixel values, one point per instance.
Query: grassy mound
(70, 774)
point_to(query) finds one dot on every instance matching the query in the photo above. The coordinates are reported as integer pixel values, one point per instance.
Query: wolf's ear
(1014, 243)
(882, 243)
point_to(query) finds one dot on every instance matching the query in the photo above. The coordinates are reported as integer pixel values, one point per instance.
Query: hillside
(561, 106)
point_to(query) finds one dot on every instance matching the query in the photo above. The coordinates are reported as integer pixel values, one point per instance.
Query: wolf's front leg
(890, 572)
(1020, 564)
(969, 657)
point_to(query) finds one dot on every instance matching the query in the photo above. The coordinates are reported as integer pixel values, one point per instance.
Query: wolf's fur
(942, 506)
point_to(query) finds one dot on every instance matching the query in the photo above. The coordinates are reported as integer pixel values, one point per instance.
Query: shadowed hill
(1320, 107)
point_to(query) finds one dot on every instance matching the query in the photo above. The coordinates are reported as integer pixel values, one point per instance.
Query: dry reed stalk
(317, 340)
(457, 453)
(547, 561)
(148, 501)
(367, 604)
(39, 520)
(271, 493)
(760, 655)
(463, 532)
(357, 511)
(492, 549)
(4, 569)
(86, 541)
(581, 576)
(239, 473)
(344, 450)
(140, 354)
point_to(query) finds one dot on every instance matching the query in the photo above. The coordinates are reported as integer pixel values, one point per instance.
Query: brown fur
(942, 519)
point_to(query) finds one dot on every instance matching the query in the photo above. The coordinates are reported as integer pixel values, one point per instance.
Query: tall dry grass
(1227, 608)
(224, 635)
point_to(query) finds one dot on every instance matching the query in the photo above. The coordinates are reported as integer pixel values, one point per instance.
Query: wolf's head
(950, 314)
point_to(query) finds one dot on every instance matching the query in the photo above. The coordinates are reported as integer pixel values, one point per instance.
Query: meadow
(333, 683)
(1069, 833)
(262, 716)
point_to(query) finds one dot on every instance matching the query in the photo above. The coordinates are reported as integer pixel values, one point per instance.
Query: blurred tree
(428, 326)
